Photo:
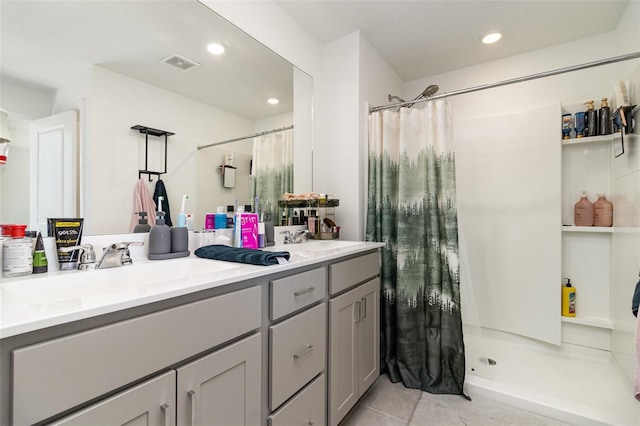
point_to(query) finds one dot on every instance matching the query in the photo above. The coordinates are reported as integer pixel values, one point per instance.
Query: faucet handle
(87, 255)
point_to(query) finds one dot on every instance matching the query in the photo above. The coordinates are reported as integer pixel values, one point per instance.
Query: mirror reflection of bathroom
(79, 93)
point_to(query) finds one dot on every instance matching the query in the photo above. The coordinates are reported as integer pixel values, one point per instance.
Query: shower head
(429, 91)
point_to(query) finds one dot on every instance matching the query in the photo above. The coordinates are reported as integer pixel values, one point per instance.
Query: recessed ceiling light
(491, 37)
(273, 101)
(215, 48)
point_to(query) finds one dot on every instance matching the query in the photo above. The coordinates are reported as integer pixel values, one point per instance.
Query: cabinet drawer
(297, 352)
(343, 275)
(306, 408)
(91, 363)
(297, 291)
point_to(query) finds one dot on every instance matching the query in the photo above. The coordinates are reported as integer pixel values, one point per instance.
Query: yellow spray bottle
(568, 300)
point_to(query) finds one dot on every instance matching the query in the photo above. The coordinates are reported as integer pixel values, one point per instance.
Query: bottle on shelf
(602, 211)
(592, 119)
(583, 211)
(604, 127)
(568, 300)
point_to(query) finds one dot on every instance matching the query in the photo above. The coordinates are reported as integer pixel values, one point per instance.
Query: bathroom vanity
(193, 341)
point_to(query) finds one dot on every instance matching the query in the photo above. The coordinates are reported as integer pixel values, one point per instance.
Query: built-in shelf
(589, 321)
(592, 229)
(589, 139)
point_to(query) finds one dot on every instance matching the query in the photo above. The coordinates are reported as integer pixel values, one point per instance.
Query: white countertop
(38, 301)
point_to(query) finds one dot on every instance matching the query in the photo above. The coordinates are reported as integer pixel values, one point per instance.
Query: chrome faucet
(290, 238)
(117, 255)
(114, 255)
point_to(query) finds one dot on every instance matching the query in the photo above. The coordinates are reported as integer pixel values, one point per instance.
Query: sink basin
(83, 286)
(316, 246)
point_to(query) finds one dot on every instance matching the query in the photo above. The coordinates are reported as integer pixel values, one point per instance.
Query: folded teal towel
(241, 255)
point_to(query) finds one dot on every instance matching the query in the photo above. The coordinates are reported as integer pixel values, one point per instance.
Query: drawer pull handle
(305, 291)
(194, 409)
(310, 423)
(165, 412)
(303, 353)
(357, 311)
(364, 307)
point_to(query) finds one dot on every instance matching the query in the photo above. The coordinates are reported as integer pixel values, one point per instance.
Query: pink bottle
(602, 211)
(583, 211)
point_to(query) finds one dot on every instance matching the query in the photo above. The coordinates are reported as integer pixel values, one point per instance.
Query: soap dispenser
(568, 300)
(143, 225)
(159, 237)
(592, 119)
(583, 211)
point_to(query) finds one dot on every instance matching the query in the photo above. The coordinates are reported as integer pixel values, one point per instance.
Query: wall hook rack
(153, 132)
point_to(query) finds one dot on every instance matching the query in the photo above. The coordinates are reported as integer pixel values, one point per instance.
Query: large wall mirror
(78, 75)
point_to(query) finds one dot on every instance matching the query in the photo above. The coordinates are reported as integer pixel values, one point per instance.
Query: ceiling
(423, 38)
(48, 44)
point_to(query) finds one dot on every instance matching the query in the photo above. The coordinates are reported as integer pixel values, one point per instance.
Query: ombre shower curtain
(272, 170)
(412, 208)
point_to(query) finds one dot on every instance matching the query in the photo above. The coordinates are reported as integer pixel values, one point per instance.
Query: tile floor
(391, 404)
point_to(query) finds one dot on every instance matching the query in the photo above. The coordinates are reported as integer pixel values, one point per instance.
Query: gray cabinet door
(368, 335)
(343, 355)
(151, 403)
(223, 388)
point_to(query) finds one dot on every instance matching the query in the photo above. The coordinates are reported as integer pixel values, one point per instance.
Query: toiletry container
(261, 235)
(40, 264)
(592, 119)
(17, 257)
(143, 224)
(220, 219)
(209, 221)
(602, 211)
(160, 237)
(568, 300)
(237, 227)
(583, 211)
(604, 126)
(179, 239)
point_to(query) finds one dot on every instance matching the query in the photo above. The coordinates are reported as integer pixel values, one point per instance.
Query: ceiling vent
(180, 62)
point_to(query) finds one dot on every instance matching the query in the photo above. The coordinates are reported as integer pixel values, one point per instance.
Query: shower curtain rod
(266, 132)
(615, 59)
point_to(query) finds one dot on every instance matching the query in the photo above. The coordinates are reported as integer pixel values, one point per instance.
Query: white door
(54, 169)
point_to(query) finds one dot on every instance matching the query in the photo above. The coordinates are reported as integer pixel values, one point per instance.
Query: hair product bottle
(602, 211)
(568, 300)
(592, 119)
(583, 211)
(605, 118)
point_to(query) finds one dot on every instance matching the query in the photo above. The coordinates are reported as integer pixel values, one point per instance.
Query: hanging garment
(160, 191)
(142, 202)
(412, 208)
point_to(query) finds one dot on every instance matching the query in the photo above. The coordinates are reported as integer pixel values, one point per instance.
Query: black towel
(241, 255)
(636, 300)
(160, 191)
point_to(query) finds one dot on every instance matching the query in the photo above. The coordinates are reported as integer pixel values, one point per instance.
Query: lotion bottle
(17, 257)
(602, 211)
(568, 300)
(583, 211)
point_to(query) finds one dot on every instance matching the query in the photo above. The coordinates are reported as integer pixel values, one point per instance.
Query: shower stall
(516, 185)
